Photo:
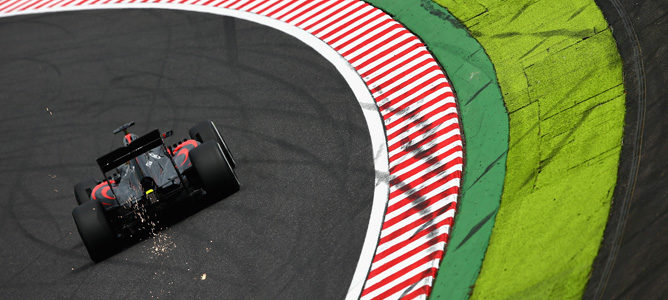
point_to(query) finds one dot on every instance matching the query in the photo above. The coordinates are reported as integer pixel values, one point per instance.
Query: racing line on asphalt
(408, 230)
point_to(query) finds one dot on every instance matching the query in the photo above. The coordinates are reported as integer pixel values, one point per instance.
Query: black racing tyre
(213, 169)
(207, 131)
(94, 229)
(82, 190)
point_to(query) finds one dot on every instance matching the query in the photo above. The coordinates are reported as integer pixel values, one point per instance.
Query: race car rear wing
(121, 155)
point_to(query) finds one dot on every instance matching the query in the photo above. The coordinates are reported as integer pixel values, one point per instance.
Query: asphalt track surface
(633, 259)
(294, 231)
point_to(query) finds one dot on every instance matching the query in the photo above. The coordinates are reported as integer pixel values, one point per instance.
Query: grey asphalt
(633, 258)
(294, 231)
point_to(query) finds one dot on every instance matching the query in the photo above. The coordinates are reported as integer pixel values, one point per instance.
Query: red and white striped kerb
(418, 110)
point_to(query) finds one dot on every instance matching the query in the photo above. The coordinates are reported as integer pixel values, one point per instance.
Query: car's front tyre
(82, 190)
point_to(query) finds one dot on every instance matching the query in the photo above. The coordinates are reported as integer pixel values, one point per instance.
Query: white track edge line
(357, 85)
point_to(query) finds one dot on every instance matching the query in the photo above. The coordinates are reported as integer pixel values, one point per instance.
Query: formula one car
(144, 178)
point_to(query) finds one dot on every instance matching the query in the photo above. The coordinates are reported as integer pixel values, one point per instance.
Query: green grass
(561, 79)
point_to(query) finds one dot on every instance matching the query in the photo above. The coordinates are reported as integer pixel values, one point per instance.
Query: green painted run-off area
(561, 78)
(485, 127)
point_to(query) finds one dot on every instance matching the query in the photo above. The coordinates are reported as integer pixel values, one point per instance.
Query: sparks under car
(144, 178)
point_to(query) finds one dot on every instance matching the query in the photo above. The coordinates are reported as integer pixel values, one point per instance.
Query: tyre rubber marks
(417, 108)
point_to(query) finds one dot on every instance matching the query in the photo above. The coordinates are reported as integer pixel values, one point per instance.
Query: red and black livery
(144, 178)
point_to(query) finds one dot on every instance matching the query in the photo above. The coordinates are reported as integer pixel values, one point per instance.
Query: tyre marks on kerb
(418, 112)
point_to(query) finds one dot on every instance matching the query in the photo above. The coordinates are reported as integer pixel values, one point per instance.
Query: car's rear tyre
(214, 170)
(82, 190)
(94, 229)
(207, 131)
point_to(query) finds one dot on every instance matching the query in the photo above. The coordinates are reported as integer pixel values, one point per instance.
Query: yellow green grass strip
(561, 79)
(485, 127)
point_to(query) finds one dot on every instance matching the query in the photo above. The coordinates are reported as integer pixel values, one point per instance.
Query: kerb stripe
(416, 105)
